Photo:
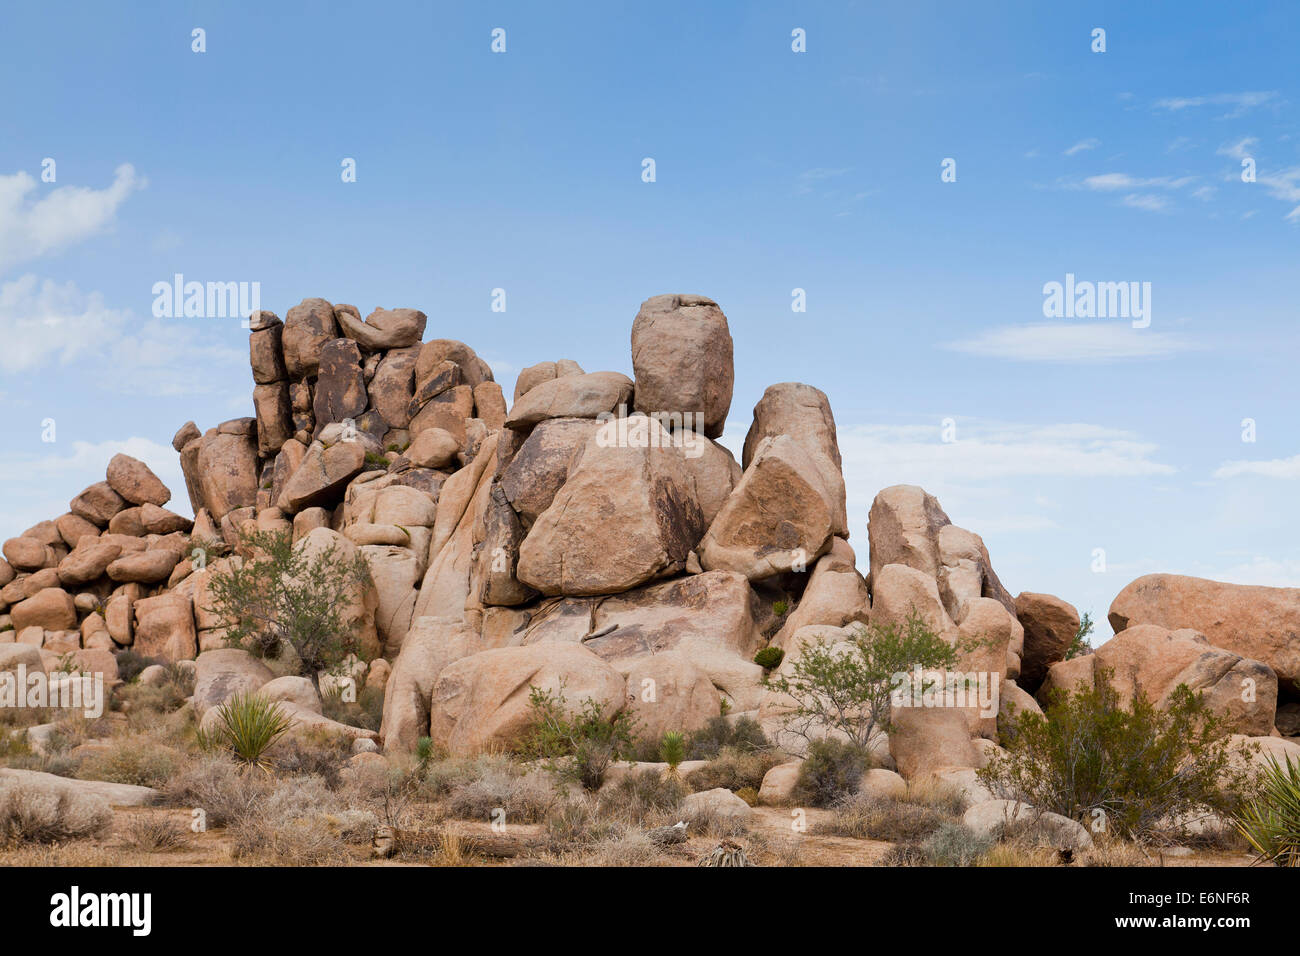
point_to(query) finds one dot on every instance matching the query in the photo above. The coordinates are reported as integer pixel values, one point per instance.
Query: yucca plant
(672, 750)
(248, 724)
(1270, 821)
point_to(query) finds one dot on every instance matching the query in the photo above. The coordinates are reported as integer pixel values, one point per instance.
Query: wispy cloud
(30, 228)
(1107, 182)
(809, 179)
(1285, 468)
(1239, 103)
(1147, 201)
(1238, 150)
(1082, 146)
(1077, 342)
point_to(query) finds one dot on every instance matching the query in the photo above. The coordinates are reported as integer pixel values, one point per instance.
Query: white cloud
(1240, 102)
(43, 321)
(1079, 342)
(1259, 570)
(39, 487)
(1284, 185)
(809, 178)
(1146, 201)
(1287, 468)
(1081, 146)
(1113, 181)
(1238, 150)
(30, 228)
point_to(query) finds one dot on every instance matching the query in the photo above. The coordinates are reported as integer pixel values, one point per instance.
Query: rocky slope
(592, 536)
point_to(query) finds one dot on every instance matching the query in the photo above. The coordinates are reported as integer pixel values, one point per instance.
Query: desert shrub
(749, 795)
(286, 596)
(1015, 854)
(130, 664)
(589, 739)
(299, 822)
(626, 846)
(37, 814)
(831, 770)
(742, 734)
(641, 797)
(14, 743)
(1079, 643)
(135, 760)
(876, 818)
(149, 833)
(848, 690)
(706, 820)
(769, 657)
(366, 712)
(781, 607)
(952, 844)
(217, 785)
(1270, 820)
(523, 798)
(734, 769)
(323, 757)
(247, 725)
(1137, 768)
(576, 823)
(441, 777)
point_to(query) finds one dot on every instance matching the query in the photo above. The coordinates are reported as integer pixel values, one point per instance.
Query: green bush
(672, 749)
(581, 745)
(130, 664)
(743, 734)
(769, 658)
(1270, 820)
(850, 691)
(1136, 770)
(832, 770)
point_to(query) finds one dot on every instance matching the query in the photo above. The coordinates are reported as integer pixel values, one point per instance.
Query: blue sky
(775, 170)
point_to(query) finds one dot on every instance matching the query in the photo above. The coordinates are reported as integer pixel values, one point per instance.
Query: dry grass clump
(864, 817)
(137, 760)
(770, 850)
(31, 813)
(1017, 854)
(952, 844)
(300, 823)
(707, 821)
(214, 784)
(152, 833)
(521, 797)
(642, 798)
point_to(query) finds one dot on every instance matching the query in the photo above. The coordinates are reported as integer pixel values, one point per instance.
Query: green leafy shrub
(1135, 770)
(247, 725)
(1079, 644)
(849, 690)
(579, 745)
(769, 658)
(743, 734)
(831, 770)
(1270, 820)
(286, 596)
(780, 608)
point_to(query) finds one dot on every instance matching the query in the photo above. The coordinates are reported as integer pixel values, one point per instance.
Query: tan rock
(623, 517)
(322, 476)
(433, 448)
(900, 590)
(574, 396)
(341, 386)
(165, 628)
(1050, 627)
(28, 554)
(146, 567)
(384, 328)
(265, 356)
(307, 327)
(429, 646)
(1256, 622)
(667, 691)
(227, 469)
(72, 528)
(541, 464)
(135, 482)
(682, 359)
(87, 562)
(97, 504)
(221, 674)
(51, 609)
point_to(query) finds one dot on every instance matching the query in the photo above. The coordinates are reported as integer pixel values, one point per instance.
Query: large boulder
(541, 465)
(227, 472)
(624, 516)
(903, 528)
(481, 702)
(780, 517)
(1154, 661)
(391, 389)
(51, 609)
(307, 327)
(165, 627)
(1050, 627)
(1011, 818)
(682, 360)
(144, 567)
(88, 561)
(1261, 623)
(322, 475)
(428, 647)
(667, 691)
(222, 673)
(901, 591)
(573, 396)
(835, 595)
(341, 385)
(384, 328)
(133, 480)
(274, 417)
(395, 571)
(803, 413)
(97, 504)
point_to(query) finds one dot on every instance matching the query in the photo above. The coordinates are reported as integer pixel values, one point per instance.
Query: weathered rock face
(135, 482)
(341, 385)
(221, 674)
(780, 517)
(50, 608)
(682, 360)
(481, 701)
(1050, 627)
(227, 466)
(836, 594)
(1154, 661)
(393, 385)
(384, 328)
(1256, 622)
(904, 526)
(307, 327)
(624, 516)
(541, 465)
(165, 628)
(322, 475)
(573, 396)
(97, 504)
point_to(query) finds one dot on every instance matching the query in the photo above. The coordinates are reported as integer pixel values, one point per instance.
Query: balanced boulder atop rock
(682, 360)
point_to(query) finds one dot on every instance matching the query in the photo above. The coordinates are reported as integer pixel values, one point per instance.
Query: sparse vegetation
(247, 725)
(769, 658)
(1080, 645)
(831, 771)
(1270, 820)
(579, 745)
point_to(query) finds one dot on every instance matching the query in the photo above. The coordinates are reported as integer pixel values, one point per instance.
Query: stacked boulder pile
(592, 539)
